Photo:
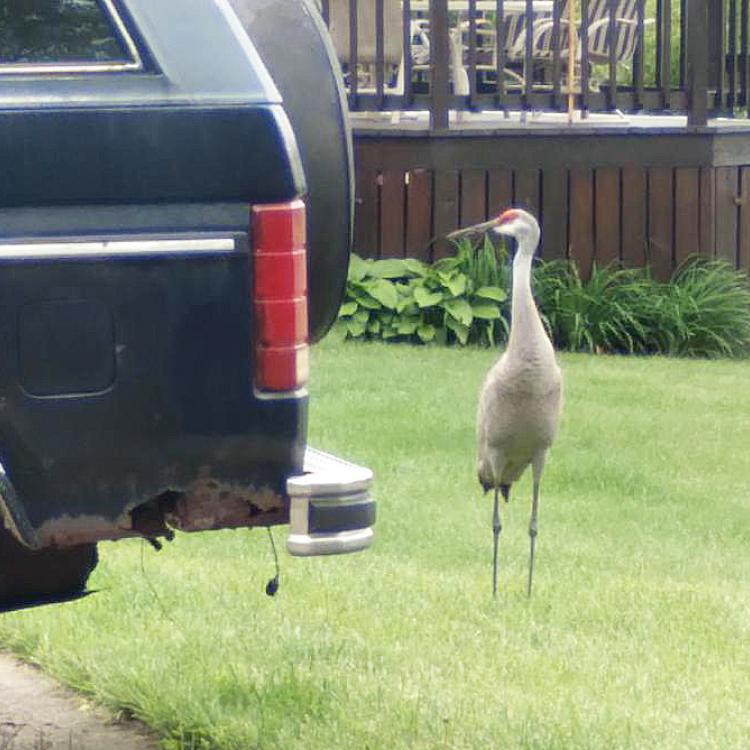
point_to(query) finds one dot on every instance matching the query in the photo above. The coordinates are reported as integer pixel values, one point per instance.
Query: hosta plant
(459, 298)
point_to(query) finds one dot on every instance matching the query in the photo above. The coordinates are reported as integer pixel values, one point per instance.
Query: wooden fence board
(499, 190)
(634, 215)
(707, 211)
(660, 221)
(419, 214)
(743, 251)
(366, 207)
(473, 197)
(726, 213)
(392, 196)
(526, 189)
(686, 215)
(607, 214)
(446, 210)
(582, 218)
(555, 214)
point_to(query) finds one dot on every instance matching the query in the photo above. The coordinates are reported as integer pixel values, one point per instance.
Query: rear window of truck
(40, 35)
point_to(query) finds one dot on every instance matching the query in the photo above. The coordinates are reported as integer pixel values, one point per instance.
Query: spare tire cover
(292, 40)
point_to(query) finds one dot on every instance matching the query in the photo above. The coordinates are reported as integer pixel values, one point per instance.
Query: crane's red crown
(507, 216)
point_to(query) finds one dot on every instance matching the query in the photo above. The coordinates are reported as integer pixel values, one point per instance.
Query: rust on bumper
(205, 504)
(212, 504)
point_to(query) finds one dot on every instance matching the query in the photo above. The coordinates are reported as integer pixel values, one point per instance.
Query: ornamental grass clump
(606, 313)
(703, 311)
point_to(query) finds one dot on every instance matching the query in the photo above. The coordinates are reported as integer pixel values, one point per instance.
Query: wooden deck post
(698, 61)
(439, 65)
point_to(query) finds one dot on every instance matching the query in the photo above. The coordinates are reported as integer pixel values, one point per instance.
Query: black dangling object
(273, 584)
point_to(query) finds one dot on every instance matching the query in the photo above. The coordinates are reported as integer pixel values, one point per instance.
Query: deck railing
(684, 56)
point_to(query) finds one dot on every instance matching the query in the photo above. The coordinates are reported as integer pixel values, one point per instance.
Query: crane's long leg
(496, 529)
(536, 467)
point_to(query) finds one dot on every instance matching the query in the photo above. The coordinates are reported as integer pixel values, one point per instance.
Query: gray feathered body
(518, 414)
(521, 399)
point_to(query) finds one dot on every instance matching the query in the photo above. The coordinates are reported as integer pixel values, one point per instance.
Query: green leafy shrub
(703, 311)
(456, 299)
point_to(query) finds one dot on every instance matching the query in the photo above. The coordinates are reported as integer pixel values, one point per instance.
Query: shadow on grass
(20, 605)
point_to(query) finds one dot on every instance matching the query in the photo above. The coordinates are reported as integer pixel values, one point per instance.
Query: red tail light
(280, 296)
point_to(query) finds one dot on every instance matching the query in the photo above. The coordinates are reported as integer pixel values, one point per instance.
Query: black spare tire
(292, 40)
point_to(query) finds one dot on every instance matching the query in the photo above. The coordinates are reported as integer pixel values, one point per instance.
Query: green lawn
(636, 637)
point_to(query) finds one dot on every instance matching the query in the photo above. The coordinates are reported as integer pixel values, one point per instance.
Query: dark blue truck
(175, 225)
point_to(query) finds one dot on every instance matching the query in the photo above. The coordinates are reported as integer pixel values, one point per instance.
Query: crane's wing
(517, 416)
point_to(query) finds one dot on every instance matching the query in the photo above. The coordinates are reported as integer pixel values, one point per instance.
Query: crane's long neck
(527, 329)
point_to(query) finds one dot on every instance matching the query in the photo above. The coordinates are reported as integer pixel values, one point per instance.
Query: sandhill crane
(520, 401)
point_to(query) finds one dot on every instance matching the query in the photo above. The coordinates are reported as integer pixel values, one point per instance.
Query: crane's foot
(532, 543)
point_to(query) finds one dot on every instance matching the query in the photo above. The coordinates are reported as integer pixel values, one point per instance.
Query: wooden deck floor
(498, 123)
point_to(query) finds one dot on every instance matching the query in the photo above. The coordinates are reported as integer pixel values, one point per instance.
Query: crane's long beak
(485, 226)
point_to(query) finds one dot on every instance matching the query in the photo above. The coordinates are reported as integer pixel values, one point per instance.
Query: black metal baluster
(406, 70)
(612, 49)
(584, 42)
(500, 54)
(639, 55)
(555, 40)
(683, 41)
(732, 57)
(666, 80)
(697, 62)
(379, 53)
(353, 32)
(472, 51)
(528, 71)
(744, 77)
(717, 32)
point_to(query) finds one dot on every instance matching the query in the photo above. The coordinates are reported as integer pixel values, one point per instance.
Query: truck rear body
(153, 344)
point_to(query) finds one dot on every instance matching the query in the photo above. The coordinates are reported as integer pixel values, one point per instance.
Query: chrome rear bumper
(331, 510)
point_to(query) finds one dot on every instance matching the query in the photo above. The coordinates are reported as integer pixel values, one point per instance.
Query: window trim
(53, 68)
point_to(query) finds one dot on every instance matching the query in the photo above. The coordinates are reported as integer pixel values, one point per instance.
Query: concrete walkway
(37, 714)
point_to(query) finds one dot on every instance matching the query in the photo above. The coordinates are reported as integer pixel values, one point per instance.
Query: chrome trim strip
(136, 63)
(65, 68)
(111, 248)
(342, 542)
(280, 395)
(124, 34)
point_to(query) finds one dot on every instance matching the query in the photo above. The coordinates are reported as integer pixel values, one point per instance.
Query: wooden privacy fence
(688, 56)
(637, 199)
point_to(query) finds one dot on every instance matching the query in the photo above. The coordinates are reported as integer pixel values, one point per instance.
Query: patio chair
(486, 49)
(598, 38)
(514, 35)
(421, 56)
